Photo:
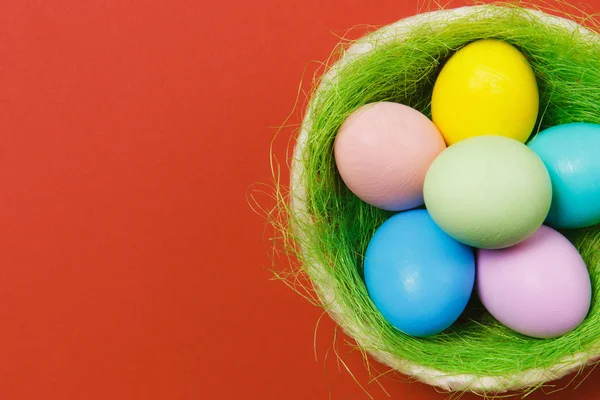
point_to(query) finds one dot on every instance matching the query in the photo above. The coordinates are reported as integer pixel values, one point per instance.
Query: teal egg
(571, 153)
(489, 192)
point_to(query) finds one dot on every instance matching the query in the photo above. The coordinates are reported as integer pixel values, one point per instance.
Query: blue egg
(418, 277)
(571, 153)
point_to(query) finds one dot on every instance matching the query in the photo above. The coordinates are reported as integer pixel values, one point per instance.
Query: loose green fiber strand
(567, 66)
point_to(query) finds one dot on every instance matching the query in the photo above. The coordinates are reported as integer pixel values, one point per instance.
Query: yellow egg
(485, 88)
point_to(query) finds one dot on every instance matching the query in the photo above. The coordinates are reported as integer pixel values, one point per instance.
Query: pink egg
(383, 151)
(540, 287)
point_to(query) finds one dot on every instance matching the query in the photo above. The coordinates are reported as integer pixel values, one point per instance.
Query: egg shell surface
(488, 191)
(418, 277)
(540, 287)
(485, 88)
(383, 151)
(571, 153)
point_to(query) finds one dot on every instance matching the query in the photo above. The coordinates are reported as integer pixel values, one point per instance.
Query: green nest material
(334, 226)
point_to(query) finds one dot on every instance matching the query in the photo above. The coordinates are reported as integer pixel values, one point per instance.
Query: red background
(131, 264)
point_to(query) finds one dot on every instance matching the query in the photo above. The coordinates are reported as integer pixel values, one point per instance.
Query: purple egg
(540, 287)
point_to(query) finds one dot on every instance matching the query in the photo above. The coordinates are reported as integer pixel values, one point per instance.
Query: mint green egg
(489, 192)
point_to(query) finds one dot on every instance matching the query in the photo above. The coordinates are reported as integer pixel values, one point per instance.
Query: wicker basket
(324, 285)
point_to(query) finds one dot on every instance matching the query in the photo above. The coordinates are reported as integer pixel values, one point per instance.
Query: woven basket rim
(324, 285)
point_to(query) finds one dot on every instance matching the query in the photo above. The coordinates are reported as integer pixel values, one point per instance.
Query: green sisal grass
(568, 74)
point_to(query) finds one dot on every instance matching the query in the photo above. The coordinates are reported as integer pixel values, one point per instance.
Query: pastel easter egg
(571, 153)
(485, 88)
(383, 151)
(488, 191)
(418, 277)
(540, 287)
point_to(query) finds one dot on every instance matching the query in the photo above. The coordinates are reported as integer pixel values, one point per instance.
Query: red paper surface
(131, 266)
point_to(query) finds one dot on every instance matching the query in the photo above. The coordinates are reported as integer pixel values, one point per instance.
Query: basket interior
(567, 67)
